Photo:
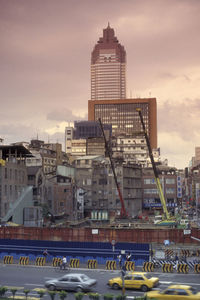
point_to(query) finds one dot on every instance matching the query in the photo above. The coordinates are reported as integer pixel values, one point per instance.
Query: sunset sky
(45, 52)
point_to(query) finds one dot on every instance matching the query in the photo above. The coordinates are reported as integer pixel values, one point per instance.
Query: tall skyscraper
(108, 68)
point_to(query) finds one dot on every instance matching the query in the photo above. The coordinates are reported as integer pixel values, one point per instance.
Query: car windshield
(148, 276)
(84, 277)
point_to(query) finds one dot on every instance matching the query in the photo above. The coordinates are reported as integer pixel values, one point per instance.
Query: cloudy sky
(45, 51)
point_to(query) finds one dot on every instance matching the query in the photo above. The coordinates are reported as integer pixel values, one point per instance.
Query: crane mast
(157, 180)
(123, 213)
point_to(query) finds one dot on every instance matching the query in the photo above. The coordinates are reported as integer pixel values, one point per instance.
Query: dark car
(71, 282)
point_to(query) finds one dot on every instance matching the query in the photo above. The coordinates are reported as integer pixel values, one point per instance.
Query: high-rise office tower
(108, 68)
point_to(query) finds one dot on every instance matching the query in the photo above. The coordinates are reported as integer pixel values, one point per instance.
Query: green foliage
(41, 293)
(13, 291)
(26, 292)
(52, 294)
(62, 295)
(79, 296)
(94, 296)
(108, 296)
(120, 297)
(3, 290)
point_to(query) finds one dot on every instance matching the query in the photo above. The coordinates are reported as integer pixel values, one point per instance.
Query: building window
(149, 181)
(5, 190)
(170, 180)
(170, 190)
(10, 190)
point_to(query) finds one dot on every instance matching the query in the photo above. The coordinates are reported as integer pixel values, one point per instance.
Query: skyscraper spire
(108, 68)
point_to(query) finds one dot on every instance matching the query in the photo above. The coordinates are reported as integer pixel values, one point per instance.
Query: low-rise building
(94, 176)
(171, 188)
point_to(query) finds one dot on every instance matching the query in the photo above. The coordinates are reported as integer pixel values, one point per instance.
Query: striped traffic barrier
(74, 262)
(8, 259)
(111, 265)
(57, 261)
(129, 265)
(169, 252)
(197, 268)
(148, 266)
(182, 268)
(92, 264)
(24, 260)
(167, 268)
(185, 253)
(40, 261)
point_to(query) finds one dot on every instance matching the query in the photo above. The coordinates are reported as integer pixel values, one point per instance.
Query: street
(33, 278)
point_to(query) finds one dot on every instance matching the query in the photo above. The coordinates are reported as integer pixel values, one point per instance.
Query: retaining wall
(100, 235)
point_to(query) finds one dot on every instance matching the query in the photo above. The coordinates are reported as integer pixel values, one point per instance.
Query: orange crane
(123, 213)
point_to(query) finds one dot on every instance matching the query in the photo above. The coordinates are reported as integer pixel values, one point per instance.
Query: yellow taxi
(174, 292)
(135, 280)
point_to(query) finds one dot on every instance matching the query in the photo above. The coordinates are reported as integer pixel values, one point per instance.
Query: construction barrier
(167, 268)
(92, 264)
(182, 268)
(148, 266)
(40, 261)
(111, 265)
(8, 259)
(185, 253)
(129, 265)
(24, 260)
(197, 268)
(57, 261)
(198, 253)
(74, 263)
(169, 252)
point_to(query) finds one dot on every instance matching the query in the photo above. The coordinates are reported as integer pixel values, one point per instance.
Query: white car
(72, 282)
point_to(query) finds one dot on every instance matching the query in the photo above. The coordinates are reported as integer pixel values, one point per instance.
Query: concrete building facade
(124, 118)
(101, 200)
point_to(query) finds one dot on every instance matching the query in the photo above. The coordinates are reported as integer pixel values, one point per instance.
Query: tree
(79, 296)
(41, 293)
(13, 291)
(94, 296)
(52, 294)
(62, 295)
(3, 290)
(108, 297)
(26, 292)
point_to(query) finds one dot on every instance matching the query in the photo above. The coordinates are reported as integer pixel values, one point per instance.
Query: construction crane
(123, 213)
(167, 219)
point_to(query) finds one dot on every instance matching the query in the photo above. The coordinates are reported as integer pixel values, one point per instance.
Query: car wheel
(79, 289)
(52, 287)
(115, 286)
(144, 288)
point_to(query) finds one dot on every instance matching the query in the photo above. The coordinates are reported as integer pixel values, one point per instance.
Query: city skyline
(45, 66)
